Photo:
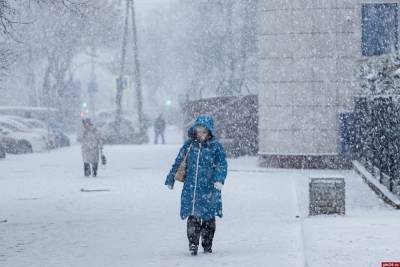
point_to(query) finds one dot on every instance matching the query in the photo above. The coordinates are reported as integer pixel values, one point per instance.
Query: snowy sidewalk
(52, 223)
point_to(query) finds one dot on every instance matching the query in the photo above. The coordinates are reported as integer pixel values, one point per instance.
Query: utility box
(327, 195)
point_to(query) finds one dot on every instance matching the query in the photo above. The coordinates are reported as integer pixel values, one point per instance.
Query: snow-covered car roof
(31, 123)
(37, 137)
(9, 122)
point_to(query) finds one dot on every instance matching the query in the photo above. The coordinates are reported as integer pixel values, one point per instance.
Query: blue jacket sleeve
(221, 166)
(181, 155)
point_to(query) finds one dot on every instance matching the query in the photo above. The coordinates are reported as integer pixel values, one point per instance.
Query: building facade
(310, 52)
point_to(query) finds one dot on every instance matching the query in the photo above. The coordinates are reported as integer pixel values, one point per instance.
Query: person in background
(206, 170)
(159, 129)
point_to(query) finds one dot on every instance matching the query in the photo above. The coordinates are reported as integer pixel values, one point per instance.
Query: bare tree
(7, 57)
(47, 35)
(220, 38)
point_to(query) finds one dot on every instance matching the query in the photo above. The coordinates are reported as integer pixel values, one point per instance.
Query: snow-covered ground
(136, 223)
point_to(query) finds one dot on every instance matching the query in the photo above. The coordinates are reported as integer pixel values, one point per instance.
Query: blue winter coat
(206, 164)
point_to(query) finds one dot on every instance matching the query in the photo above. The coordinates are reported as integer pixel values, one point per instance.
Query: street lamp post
(118, 100)
(92, 86)
(121, 80)
(137, 77)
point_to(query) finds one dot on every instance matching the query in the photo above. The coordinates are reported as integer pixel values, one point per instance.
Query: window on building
(379, 29)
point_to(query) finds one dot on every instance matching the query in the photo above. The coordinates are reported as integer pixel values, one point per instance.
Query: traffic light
(84, 109)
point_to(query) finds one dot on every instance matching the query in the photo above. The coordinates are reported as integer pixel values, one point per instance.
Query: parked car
(36, 126)
(12, 145)
(61, 139)
(57, 135)
(129, 130)
(127, 134)
(38, 140)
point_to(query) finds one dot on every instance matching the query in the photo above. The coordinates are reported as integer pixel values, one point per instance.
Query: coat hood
(205, 121)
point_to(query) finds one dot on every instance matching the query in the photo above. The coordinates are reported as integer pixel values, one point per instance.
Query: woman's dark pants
(86, 168)
(197, 227)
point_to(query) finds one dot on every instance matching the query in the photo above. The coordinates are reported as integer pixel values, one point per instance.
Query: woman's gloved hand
(218, 185)
(170, 187)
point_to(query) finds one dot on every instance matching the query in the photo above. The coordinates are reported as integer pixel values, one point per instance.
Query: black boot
(207, 234)
(208, 250)
(193, 234)
(86, 169)
(193, 250)
(94, 168)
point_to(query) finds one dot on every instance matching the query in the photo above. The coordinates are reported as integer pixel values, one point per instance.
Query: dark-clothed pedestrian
(159, 129)
(205, 173)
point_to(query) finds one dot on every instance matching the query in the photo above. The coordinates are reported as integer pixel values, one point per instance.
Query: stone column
(309, 51)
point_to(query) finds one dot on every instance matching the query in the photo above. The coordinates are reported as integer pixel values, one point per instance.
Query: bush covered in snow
(381, 75)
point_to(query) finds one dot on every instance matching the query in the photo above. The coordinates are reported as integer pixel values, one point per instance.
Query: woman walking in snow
(204, 175)
(91, 147)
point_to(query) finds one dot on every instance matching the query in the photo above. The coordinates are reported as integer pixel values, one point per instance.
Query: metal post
(92, 87)
(118, 113)
(137, 78)
(232, 63)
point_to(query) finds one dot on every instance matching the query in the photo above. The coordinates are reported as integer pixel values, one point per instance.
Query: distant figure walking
(91, 146)
(159, 129)
(201, 165)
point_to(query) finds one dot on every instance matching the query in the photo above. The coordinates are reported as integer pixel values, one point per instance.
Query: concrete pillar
(309, 52)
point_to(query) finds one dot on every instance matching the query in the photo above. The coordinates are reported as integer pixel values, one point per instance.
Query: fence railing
(375, 138)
